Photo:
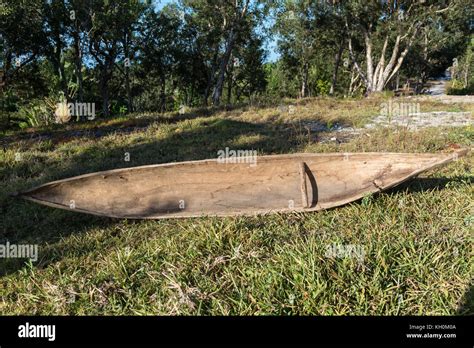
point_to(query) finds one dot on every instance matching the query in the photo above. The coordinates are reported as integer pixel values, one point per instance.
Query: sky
(272, 54)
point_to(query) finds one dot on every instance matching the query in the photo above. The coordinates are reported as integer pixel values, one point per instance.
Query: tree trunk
(216, 95)
(466, 70)
(104, 90)
(351, 84)
(58, 64)
(210, 79)
(128, 89)
(5, 70)
(229, 83)
(368, 62)
(127, 72)
(337, 62)
(163, 93)
(304, 80)
(3, 77)
(78, 65)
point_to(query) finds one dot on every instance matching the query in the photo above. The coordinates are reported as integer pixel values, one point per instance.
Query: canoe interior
(207, 187)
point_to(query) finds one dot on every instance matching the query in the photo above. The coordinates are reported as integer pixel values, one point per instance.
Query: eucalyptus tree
(221, 24)
(246, 71)
(387, 31)
(301, 36)
(110, 37)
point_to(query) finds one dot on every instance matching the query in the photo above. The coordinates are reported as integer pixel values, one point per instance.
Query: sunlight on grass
(417, 240)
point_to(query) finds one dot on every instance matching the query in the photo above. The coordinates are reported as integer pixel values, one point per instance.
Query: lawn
(416, 239)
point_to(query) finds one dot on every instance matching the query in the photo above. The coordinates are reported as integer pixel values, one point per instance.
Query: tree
(208, 26)
(233, 14)
(104, 37)
(79, 18)
(296, 29)
(308, 32)
(246, 73)
(381, 27)
(20, 44)
(56, 19)
(161, 49)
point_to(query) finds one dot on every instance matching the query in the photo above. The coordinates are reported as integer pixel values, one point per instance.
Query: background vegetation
(128, 56)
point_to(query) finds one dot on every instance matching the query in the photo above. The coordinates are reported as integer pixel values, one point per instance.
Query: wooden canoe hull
(278, 183)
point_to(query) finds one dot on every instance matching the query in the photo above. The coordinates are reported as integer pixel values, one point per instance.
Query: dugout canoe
(278, 183)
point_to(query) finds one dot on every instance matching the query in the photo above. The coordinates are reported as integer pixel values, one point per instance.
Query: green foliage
(118, 109)
(463, 72)
(457, 88)
(280, 81)
(35, 114)
(323, 86)
(132, 57)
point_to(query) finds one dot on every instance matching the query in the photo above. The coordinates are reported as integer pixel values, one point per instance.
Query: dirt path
(437, 91)
(413, 122)
(437, 87)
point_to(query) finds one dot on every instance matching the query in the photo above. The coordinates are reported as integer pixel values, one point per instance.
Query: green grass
(417, 239)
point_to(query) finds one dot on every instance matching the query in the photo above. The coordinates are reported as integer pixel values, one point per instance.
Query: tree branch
(351, 53)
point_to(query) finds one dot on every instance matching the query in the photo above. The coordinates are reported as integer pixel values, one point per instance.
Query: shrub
(36, 113)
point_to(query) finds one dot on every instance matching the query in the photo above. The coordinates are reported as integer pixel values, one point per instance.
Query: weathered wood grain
(279, 183)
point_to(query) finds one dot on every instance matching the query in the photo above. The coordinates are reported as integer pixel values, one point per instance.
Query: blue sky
(272, 55)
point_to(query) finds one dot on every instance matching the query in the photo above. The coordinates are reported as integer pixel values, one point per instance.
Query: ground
(416, 239)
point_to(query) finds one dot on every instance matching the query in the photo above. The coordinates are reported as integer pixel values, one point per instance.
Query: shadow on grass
(467, 303)
(429, 184)
(119, 125)
(24, 222)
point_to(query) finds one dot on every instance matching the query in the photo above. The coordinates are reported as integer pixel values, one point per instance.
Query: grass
(416, 240)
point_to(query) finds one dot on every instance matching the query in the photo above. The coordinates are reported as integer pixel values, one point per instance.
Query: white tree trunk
(375, 81)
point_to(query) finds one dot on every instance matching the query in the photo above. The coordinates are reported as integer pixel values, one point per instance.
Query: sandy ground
(424, 120)
(412, 121)
(447, 99)
(437, 87)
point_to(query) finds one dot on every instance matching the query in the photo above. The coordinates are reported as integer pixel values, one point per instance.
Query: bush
(323, 87)
(36, 113)
(457, 88)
